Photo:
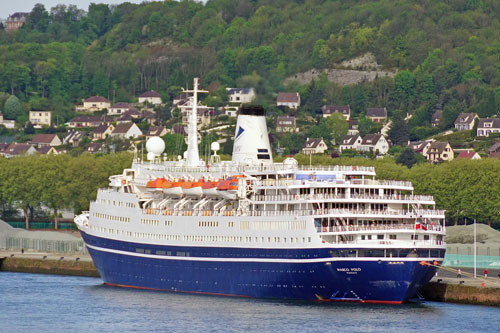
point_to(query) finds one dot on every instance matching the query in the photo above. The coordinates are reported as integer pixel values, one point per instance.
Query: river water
(42, 303)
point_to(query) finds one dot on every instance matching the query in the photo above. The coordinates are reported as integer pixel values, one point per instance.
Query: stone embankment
(467, 289)
(45, 263)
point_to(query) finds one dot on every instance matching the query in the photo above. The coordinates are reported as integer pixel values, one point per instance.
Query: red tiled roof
(376, 112)
(121, 105)
(466, 154)
(98, 99)
(122, 128)
(150, 93)
(43, 138)
(288, 97)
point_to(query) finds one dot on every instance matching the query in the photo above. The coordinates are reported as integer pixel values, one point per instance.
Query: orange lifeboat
(174, 188)
(193, 188)
(228, 187)
(209, 188)
(157, 183)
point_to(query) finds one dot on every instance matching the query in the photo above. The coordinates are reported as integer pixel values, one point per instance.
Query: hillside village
(356, 83)
(101, 126)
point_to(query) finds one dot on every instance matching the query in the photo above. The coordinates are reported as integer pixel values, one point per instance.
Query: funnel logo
(240, 131)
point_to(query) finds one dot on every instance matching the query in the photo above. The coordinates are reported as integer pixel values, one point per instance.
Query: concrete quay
(47, 263)
(447, 287)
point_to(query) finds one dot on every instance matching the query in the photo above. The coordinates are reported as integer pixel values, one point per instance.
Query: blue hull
(241, 272)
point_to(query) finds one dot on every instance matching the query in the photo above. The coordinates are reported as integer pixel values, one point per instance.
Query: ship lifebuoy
(124, 182)
(324, 229)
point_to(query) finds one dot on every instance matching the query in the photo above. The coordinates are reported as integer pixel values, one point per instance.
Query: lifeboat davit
(173, 188)
(193, 188)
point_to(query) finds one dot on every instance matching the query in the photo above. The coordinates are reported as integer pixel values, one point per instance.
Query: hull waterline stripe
(292, 261)
(244, 296)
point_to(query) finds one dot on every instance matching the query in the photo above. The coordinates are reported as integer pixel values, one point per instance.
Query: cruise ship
(250, 227)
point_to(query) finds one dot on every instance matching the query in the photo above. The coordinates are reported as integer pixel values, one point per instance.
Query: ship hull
(260, 273)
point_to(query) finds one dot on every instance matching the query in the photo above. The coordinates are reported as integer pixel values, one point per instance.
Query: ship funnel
(251, 140)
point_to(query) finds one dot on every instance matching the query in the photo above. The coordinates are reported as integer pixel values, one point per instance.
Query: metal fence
(463, 256)
(43, 245)
(63, 225)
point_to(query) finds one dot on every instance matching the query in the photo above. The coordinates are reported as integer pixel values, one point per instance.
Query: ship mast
(192, 154)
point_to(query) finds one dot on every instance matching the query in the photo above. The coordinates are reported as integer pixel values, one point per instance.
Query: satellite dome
(155, 145)
(151, 156)
(215, 146)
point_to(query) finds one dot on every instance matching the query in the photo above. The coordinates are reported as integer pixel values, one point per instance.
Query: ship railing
(338, 168)
(352, 212)
(289, 182)
(402, 242)
(174, 166)
(389, 227)
(343, 196)
(302, 212)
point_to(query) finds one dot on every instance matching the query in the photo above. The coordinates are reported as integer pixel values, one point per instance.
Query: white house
(465, 121)
(314, 146)
(344, 110)
(51, 140)
(95, 103)
(291, 100)
(126, 130)
(487, 126)
(119, 109)
(350, 142)
(241, 95)
(151, 97)
(7, 123)
(374, 142)
(40, 118)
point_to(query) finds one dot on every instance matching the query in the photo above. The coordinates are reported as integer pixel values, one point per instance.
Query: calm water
(40, 303)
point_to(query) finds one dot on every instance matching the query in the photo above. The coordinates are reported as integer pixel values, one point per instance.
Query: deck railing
(390, 227)
(302, 212)
(323, 197)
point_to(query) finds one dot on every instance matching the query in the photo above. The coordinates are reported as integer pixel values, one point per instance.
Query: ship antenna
(192, 154)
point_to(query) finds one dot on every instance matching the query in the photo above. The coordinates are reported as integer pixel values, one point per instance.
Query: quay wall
(461, 293)
(49, 266)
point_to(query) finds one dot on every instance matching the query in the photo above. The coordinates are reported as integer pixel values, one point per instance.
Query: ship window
(362, 237)
(370, 253)
(262, 150)
(380, 236)
(369, 237)
(147, 251)
(426, 237)
(263, 157)
(423, 253)
(392, 236)
(414, 237)
(139, 250)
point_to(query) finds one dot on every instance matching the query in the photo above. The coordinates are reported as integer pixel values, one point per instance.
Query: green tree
(407, 157)
(399, 132)
(12, 108)
(364, 126)
(337, 125)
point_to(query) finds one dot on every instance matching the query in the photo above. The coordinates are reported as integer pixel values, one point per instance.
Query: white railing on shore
(302, 212)
(324, 197)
